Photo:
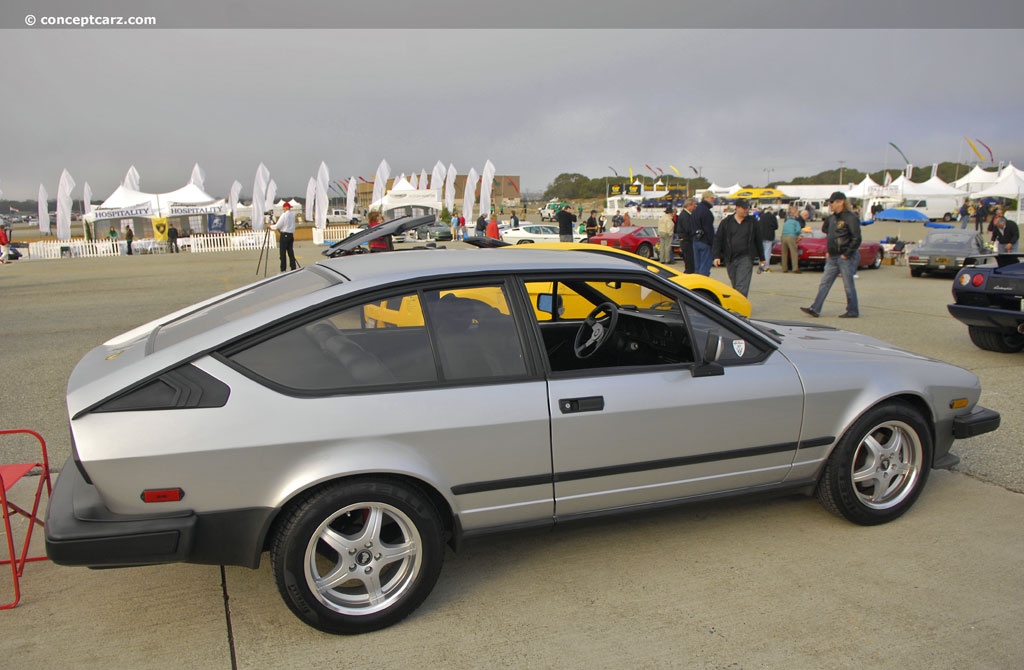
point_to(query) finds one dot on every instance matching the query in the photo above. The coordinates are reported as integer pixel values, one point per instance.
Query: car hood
(803, 337)
(393, 227)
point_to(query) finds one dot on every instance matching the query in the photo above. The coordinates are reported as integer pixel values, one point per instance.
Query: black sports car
(944, 252)
(987, 295)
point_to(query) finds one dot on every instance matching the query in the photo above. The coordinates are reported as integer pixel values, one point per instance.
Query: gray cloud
(534, 102)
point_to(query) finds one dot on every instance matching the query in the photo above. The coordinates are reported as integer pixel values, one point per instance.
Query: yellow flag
(160, 229)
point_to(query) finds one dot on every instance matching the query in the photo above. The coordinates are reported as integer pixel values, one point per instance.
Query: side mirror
(709, 366)
(546, 304)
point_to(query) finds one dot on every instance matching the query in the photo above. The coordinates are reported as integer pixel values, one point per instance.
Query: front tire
(878, 260)
(359, 556)
(879, 466)
(993, 340)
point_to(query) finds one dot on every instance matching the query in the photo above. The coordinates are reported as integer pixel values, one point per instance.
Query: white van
(946, 209)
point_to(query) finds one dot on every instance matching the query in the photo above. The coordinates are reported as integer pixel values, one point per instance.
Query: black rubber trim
(981, 420)
(591, 473)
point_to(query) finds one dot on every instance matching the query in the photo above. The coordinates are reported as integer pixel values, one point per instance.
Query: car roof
(426, 263)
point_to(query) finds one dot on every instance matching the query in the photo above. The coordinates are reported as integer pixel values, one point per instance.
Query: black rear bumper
(80, 530)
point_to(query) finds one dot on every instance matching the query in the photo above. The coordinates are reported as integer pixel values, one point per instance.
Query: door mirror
(709, 366)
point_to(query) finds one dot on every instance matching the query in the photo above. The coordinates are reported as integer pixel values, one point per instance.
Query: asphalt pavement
(743, 584)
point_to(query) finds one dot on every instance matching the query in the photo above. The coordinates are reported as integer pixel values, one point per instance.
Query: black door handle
(594, 403)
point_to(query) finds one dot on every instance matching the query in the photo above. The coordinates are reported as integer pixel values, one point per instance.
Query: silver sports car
(264, 420)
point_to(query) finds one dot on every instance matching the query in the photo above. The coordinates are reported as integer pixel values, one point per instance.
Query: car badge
(739, 346)
(114, 355)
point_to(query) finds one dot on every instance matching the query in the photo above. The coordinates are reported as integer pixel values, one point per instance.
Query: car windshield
(238, 305)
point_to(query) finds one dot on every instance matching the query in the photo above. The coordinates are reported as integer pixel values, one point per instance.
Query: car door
(626, 434)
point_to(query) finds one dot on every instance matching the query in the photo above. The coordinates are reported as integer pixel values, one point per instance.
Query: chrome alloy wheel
(887, 465)
(363, 558)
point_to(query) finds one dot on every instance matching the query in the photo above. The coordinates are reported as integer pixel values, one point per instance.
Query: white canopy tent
(402, 195)
(976, 180)
(126, 203)
(1009, 185)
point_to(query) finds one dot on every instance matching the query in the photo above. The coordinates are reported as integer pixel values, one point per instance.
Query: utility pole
(841, 164)
(769, 171)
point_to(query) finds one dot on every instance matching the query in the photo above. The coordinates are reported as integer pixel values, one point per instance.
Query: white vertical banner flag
(380, 180)
(414, 180)
(268, 200)
(468, 196)
(309, 210)
(321, 205)
(236, 188)
(437, 180)
(198, 177)
(423, 180)
(64, 188)
(486, 179)
(86, 199)
(350, 197)
(449, 188)
(131, 179)
(935, 170)
(259, 194)
(323, 178)
(44, 211)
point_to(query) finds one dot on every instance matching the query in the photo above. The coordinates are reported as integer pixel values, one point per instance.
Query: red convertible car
(811, 251)
(640, 240)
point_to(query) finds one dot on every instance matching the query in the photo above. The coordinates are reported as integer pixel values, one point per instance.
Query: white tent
(1009, 185)
(127, 203)
(867, 188)
(403, 195)
(976, 180)
(933, 188)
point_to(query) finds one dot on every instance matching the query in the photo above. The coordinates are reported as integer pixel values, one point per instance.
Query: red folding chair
(10, 474)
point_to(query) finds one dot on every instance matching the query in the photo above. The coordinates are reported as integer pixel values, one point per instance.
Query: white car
(535, 232)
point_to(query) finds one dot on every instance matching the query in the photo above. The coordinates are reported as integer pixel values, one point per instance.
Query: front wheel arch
(880, 464)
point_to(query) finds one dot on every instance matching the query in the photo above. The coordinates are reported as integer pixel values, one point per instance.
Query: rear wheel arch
(444, 510)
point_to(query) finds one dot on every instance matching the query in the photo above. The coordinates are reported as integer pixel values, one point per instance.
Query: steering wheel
(595, 332)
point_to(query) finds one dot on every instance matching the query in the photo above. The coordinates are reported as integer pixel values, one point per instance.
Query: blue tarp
(900, 214)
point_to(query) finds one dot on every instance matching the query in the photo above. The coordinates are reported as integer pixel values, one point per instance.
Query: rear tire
(645, 250)
(878, 260)
(993, 340)
(916, 272)
(879, 467)
(359, 556)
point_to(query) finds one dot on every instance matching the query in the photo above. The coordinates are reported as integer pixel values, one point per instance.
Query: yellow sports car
(706, 287)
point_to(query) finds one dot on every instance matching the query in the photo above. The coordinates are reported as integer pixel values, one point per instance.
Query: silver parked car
(263, 420)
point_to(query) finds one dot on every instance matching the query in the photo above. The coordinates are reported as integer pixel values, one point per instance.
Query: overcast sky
(537, 103)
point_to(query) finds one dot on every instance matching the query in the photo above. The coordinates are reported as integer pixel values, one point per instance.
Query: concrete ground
(744, 584)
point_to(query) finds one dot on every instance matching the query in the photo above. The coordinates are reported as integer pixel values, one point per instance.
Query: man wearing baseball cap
(842, 232)
(286, 226)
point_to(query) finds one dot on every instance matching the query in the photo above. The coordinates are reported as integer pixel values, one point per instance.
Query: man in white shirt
(286, 227)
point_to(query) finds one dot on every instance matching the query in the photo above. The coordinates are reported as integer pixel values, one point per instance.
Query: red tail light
(162, 495)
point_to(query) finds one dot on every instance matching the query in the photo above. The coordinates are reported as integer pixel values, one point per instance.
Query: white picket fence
(198, 243)
(332, 234)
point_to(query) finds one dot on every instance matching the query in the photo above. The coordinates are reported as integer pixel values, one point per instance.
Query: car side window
(648, 329)
(376, 343)
(475, 334)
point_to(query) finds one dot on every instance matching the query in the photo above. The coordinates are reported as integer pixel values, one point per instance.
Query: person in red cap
(286, 227)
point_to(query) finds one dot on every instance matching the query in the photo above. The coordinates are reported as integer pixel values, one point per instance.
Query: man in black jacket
(703, 224)
(767, 224)
(737, 244)
(842, 232)
(684, 231)
(565, 219)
